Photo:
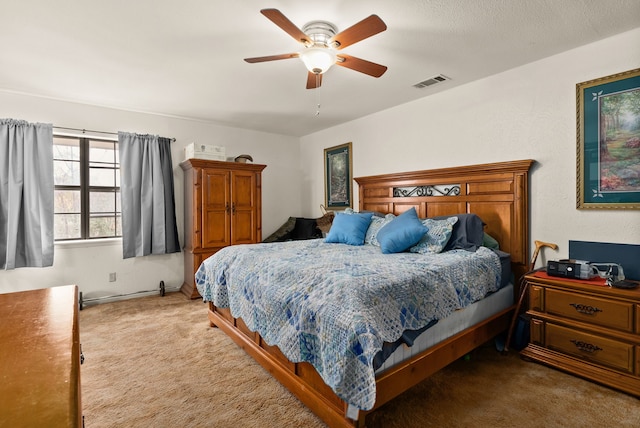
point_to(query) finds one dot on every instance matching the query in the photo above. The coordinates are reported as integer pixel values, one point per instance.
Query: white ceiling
(185, 58)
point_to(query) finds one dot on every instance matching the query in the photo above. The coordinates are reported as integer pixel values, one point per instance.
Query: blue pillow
(349, 229)
(401, 233)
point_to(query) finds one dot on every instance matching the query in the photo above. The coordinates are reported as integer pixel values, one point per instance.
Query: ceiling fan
(321, 42)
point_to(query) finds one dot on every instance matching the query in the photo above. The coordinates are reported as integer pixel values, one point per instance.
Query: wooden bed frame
(497, 192)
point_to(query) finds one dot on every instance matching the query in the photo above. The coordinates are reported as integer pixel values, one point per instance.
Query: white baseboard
(84, 301)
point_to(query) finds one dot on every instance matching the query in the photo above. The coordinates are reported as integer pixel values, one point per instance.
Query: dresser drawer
(593, 310)
(607, 352)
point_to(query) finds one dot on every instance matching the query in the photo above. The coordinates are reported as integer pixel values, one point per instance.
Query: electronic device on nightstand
(581, 269)
(570, 268)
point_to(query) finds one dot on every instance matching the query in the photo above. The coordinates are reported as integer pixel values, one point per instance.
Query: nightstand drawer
(593, 310)
(596, 349)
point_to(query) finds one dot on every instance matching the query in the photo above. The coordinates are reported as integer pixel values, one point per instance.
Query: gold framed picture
(608, 134)
(338, 178)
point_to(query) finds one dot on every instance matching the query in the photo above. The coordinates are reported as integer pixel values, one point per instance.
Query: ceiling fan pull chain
(318, 94)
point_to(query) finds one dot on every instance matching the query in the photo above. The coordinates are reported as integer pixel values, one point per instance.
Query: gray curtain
(26, 194)
(146, 190)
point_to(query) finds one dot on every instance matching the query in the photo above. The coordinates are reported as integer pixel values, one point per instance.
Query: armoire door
(244, 209)
(216, 207)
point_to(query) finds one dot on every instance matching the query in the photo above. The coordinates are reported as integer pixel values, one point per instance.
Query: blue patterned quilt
(333, 305)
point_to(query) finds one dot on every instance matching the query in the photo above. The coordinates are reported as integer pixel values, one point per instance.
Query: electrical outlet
(112, 277)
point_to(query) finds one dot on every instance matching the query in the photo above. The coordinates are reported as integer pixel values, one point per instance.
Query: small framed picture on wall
(338, 179)
(608, 131)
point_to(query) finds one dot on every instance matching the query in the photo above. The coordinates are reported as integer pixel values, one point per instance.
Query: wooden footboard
(306, 384)
(300, 378)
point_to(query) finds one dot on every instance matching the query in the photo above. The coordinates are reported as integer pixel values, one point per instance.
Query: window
(87, 188)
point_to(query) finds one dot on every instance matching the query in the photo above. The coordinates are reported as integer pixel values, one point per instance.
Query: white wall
(524, 113)
(527, 112)
(88, 264)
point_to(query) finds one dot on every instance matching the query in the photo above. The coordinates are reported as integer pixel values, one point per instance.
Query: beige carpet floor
(155, 362)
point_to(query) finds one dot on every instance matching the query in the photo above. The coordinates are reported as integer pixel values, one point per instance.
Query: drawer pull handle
(586, 347)
(585, 309)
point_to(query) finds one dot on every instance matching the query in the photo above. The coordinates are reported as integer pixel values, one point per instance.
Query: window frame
(86, 189)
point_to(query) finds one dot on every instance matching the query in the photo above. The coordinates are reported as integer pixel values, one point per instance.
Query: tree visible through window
(87, 188)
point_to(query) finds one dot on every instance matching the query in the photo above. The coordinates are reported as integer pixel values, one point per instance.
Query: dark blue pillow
(468, 232)
(402, 233)
(349, 229)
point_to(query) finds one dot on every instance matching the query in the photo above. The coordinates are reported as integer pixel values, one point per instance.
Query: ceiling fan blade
(366, 28)
(313, 80)
(361, 65)
(275, 16)
(271, 57)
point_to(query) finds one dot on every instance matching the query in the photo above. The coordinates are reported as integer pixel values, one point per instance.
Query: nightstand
(591, 331)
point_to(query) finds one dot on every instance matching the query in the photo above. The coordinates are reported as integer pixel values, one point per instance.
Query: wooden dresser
(587, 330)
(40, 358)
(222, 207)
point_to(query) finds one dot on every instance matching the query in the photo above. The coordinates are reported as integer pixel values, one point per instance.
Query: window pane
(118, 225)
(67, 201)
(102, 177)
(102, 227)
(103, 152)
(66, 226)
(66, 173)
(102, 202)
(66, 148)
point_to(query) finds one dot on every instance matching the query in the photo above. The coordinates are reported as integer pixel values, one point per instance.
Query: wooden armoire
(222, 207)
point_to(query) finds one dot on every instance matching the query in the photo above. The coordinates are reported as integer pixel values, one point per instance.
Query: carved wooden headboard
(497, 192)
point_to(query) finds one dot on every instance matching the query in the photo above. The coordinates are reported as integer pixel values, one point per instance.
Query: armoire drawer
(593, 310)
(599, 350)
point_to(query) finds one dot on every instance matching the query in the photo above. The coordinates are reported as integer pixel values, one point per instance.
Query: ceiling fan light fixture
(322, 41)
(317, 59)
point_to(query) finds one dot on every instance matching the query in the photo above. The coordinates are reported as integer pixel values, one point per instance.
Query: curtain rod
(97, 132)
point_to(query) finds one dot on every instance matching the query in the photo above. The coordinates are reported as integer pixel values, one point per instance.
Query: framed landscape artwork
(338, 179)
(608, 152)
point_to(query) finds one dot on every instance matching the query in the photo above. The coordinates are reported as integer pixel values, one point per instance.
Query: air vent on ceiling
(432, 81)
